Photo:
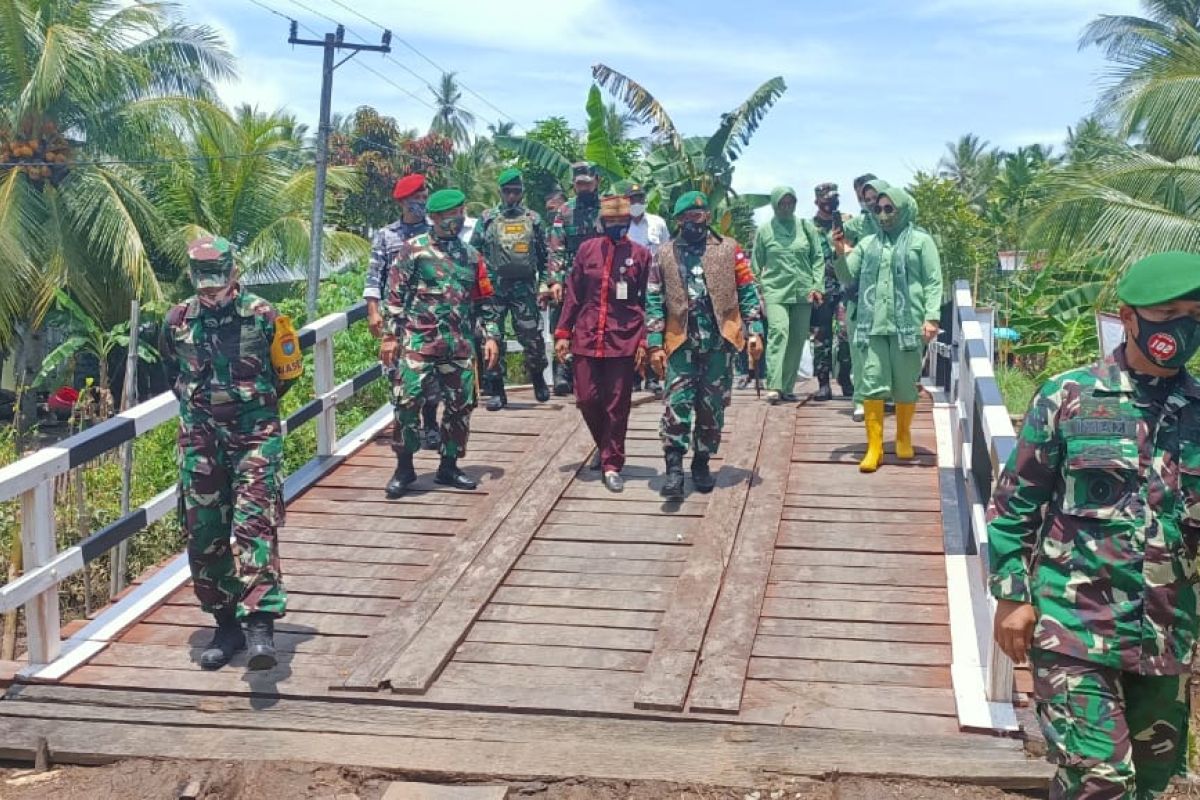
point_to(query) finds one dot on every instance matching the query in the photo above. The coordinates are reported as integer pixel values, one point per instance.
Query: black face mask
(586, 199)
(1169, 344)
(616, 232)
(693, 232)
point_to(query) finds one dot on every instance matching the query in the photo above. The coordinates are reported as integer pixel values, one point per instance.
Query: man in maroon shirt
(603, 326)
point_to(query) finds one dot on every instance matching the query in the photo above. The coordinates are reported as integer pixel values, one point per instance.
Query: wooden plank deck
(801, 597)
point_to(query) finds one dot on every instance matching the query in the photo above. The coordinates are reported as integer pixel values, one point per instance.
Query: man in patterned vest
(438, 288)
(576, 222)
(700, 300)
(217, 350)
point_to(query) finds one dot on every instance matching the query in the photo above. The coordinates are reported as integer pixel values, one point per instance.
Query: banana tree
(86, 337)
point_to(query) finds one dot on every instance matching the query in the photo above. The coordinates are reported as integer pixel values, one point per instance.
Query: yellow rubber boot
(904, 417)
(873, 412)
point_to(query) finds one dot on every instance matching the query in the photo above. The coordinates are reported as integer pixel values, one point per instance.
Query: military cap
(510, 175)
(445, 199)
(688, 201)
(210, 259)
(408, 186)
(583, 169)
(614, 205)
(1161, 278)
(825, 189)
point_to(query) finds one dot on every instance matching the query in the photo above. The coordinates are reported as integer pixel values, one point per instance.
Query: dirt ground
(167, 780)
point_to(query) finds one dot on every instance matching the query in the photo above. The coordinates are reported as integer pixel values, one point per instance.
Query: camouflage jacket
(437, 291)
(570, 229)
(824, 227)
(484, 239)
(386, 242)
(219, 360)
(1096, 518)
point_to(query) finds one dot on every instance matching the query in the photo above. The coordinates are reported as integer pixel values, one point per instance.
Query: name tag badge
(622, 290)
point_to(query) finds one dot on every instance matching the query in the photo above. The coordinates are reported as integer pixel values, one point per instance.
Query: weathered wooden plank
(825, 558)
(854, 612)
(322, 604)
(866, 631)
(357, 538)
(668, 676)
(667, 523)
(561, 635)
(548, 656)
(878, 514)
(158, 657)
(814, 705)
(880, 652)
(600, 566)
(851, 529)
(329, 551)
(921, 595)
(185, 636)
(612, 533)
(302, 622)
(587, 617)
(379, 653)
(427, 652)
(854, 672)
(324, 492)
(575, 580)
(344, 569)
(356, 510)
(866, 540)
(393, 524)
(581, 598)
(914, 502)
(346, 587)
(624, 506)
(725, 656)
(634, 551)
(864, 576)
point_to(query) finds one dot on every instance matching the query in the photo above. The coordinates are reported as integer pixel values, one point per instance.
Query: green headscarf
(777, 194)
(900, 237)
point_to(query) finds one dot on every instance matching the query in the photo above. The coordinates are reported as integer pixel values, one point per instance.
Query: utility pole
(331, 43)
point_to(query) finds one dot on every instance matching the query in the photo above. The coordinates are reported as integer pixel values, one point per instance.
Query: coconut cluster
(38, 149)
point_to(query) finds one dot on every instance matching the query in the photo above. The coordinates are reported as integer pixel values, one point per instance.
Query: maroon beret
(408, 186)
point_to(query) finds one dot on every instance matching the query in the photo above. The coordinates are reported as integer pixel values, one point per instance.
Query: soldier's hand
(374, 320)
(658, 362)
(1013, 629)
(556, 293)
(389, 351)
(755, 348)
(930, 331)
(639, 360)
(543, 299)
(816, 298)
(491, 353)
(841, 247)
(562, 349)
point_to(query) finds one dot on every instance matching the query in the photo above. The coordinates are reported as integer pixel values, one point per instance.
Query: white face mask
(637, 209)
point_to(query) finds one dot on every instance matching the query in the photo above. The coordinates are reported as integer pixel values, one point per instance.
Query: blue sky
(872, 86)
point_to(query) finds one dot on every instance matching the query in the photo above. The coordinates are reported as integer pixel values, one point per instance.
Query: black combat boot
(562, 385)
(449, 474)
(672, 488)
(402, 478)
(541, 392)
(701, 475)
(430, 438)
(227, 640)
(654, 387)
(260, 636)
(844, 381)
(824, 393)
(499, 398)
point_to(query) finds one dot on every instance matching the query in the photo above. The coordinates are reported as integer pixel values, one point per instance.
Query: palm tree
(85, 84)
(451, 119)
(259, 201)
(1089, 140)
(972, 167)
(1120, 34)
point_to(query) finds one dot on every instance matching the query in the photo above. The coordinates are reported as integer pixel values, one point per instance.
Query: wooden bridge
(802, 619)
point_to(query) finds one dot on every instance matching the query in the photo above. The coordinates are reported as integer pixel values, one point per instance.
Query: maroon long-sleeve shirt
(595, 318)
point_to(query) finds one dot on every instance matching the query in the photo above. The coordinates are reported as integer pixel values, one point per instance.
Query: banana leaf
(540, 155)
(599, 149)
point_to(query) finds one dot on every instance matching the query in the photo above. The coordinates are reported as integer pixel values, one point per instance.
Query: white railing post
(39, 547)
(323, 384)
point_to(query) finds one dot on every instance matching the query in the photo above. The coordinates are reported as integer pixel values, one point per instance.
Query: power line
(430, 61)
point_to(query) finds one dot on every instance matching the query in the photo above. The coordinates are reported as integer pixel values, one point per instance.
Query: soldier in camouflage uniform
(829, 318)
(1092, 540)
(438, 288)
(411, 193)
(217, 350)
(512, 240)
(576, 222)
(700, 299)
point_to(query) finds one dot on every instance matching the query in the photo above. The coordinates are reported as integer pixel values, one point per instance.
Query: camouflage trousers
(419, 376)
(230, 505)
(829, 334)
(698, 388)
(1113, 734)
(518, 299)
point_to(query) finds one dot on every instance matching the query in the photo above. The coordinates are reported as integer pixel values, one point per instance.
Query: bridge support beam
(38, 547)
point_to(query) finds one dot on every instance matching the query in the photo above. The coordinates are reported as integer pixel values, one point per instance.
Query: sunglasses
(882, 209)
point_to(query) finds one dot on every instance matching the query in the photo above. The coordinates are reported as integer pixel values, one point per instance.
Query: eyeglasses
(882, 209)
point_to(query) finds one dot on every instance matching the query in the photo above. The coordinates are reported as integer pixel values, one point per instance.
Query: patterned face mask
(218, 299)
(449, 227)
(1170, 344)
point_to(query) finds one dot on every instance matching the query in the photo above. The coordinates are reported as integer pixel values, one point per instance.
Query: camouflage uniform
(571, 228)
(437, 291)
(516, 296)
(1096, 521)
(230, 450)
(699, 378)
(830, 318)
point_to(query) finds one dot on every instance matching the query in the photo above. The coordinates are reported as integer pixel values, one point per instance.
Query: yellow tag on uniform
(514, 228)
(286, 356)
(520, 247)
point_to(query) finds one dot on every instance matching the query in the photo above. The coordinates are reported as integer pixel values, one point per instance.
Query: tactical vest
(513, 250)
(721, 281)
(578, 230)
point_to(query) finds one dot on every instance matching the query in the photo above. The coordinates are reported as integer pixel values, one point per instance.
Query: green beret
(210, 259)
(1161, 278)
(688, 201)
(510, 175)
(444, 200)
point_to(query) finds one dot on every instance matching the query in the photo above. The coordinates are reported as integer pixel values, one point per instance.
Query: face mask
(512, 207)
(220, 299)
(449, 227)
(415, 208)
(616, 232)
(637, 209)
(829, 208)
(693, 232)
(1169, 344)
(586, 199)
